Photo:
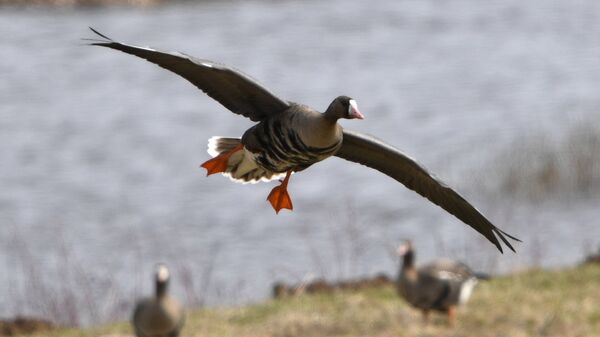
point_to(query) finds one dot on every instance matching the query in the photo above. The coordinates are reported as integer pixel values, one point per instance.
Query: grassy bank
(533, 303)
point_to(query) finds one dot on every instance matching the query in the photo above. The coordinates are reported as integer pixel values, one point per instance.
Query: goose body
(290, 137)
(281, 143)
(161, 315)
(439, 286)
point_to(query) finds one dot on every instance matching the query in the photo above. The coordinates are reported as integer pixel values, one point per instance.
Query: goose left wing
(372, 152)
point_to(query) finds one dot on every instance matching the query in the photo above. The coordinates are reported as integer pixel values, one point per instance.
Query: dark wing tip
(510, 236)
(103, 41)
(502, 235)
(100, 34)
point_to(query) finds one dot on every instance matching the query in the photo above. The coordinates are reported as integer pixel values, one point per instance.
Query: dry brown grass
(534, 303)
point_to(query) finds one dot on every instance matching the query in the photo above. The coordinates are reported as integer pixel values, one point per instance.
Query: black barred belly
(283, 150)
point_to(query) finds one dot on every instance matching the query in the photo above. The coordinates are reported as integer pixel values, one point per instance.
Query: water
(99, 151)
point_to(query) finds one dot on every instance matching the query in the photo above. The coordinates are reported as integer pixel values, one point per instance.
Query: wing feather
(235, 90)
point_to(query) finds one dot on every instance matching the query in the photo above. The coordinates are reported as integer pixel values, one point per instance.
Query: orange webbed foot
(279, 196)
(216, 165)
(219, 163)
(280, 199)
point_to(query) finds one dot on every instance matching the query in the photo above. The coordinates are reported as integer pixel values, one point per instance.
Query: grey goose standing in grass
(290, 137)
(440, 286)
(161, 315)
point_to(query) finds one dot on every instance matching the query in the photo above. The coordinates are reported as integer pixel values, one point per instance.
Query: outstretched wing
(369, 151)
(233, 89)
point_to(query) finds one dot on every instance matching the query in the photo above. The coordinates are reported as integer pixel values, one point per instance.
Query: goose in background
(161, 315)
(439, 286)
(289, 137)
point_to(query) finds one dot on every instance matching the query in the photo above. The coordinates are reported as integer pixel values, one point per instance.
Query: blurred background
(100, 151)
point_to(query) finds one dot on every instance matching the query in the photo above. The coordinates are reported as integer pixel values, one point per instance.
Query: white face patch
(352, 106)
(402, 250)
(162, 273)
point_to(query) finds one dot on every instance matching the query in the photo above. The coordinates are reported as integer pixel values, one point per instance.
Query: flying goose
(161, 315)
(290, 137)
(441, 285)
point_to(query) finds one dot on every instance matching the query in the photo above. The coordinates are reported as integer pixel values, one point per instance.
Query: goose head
(343, 107)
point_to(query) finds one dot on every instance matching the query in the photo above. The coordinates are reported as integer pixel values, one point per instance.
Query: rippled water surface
(99, 151)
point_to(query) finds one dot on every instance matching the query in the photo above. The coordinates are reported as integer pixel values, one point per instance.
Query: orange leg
(452, 315)
(219, 163)
(279, 197)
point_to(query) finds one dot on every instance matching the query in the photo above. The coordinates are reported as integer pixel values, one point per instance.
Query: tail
(466, 289)
(241, 165)
(218, 145)
(482, 276)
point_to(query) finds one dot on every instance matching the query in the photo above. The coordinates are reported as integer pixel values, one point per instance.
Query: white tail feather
(466, 290)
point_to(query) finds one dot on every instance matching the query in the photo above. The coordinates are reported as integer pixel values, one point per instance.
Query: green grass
(533, 303)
